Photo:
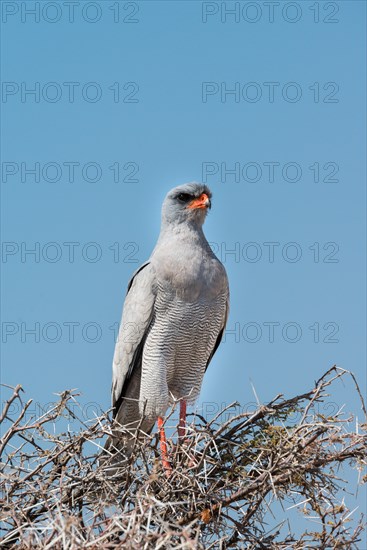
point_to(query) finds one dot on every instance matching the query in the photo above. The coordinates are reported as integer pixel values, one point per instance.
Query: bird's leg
(163, 444)
(182, 421)
(182, 432)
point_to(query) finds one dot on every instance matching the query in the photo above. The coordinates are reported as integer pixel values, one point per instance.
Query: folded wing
(136, 319)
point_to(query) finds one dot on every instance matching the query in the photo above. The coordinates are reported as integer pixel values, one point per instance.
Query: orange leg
(163, 445)
(182, 430)
(182, 422)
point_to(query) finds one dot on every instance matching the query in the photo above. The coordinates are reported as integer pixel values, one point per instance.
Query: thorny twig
(226, 477)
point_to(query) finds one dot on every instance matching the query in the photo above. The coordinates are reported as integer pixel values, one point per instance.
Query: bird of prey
(174, 315)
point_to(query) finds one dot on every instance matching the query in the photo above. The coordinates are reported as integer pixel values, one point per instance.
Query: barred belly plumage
(177, 350)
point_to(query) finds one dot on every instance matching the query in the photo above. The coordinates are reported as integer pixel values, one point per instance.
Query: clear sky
(264, 103)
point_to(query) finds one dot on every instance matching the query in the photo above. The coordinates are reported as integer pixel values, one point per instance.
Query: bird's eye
(184, 197)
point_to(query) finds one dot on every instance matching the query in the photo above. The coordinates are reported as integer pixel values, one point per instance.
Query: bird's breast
(190, 277)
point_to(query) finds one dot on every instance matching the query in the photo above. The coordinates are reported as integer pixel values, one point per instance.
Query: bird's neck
(179, 232)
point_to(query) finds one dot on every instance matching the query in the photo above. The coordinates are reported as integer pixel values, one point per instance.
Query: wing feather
(136, 318)
(220, 334)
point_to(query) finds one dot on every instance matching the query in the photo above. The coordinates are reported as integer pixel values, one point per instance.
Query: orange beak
(202, 202)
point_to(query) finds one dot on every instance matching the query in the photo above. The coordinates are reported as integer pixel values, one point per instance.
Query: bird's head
(187, 203)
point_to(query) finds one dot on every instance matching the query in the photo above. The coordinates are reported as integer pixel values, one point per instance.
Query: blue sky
(152, 99)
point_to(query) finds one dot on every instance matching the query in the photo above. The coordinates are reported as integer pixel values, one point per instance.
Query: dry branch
(232, 484)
